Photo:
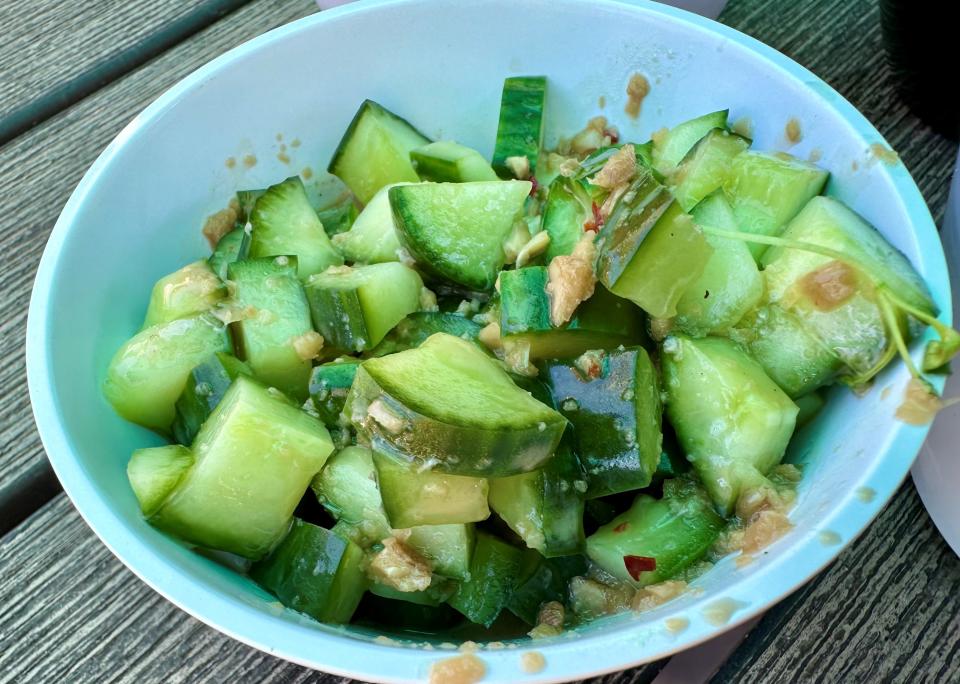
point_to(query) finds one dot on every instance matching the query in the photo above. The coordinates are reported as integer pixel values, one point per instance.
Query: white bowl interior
(441, 65)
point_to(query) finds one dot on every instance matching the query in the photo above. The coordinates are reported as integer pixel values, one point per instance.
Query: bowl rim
(351, 657)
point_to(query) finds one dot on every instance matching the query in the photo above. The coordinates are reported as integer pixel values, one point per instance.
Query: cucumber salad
(516, 393)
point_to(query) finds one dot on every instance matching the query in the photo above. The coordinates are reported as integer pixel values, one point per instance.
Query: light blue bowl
(136, 215)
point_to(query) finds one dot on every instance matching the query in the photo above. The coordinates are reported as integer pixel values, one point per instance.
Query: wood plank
(72, 612)
(45, 164)
(58, 52)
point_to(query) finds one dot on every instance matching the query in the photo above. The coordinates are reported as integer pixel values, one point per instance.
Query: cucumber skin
(446, 161)
(234, 246)
(315, 572)
(414, 330)
(682, 137)
(493, 571)
(328, 388)
(613, 462)
(520, 130)
(347, 487)
(542, 580)
(206, 385)
(155, 472)
(706, 167)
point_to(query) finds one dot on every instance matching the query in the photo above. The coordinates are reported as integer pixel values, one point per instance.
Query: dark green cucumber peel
(206, 385)
(328, 388)
(566, 210)
(234, 246)
(414, 330)
(541, 580)
(521, 127)
(447, 161)
(612, 400)
(493, 572)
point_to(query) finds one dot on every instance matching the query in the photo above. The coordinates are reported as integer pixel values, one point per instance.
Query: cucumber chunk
(545, 507)
(414, 330)
(649, 250)
(674, 531)
(542, 580)
(155, 472)
(339, 217)
(670, 149)
(375, 151)
(706, 167)
(255, 457)
(449, 548)
(284, 223)
(731, 419)
(234, 246)
(493, 572)
(192, 290)
(455, 231)
(354, 308)
(767, 190)
(373, 238)
(206, 385)
(328, 387)
(280, 318)
(612, 400)
(567, 208)
(602, 322)
(730, 285)
(521, 127)
(148, 373)
(447, 161)
(347, 487)
(315, 572)
(412, 498)
(448, 406)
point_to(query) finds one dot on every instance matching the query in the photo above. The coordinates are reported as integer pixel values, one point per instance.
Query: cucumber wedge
(542, 580)
(255, 457)
(447, 161)
(412, 498)
(414, 330)
(670, 149)
(649, 250)
(521, 127)
(354, 308)
(329, 385)
(449, 548)
(372, 239)
(339, 217)
(347, 487)
(192, 290)
(612, 400)
(493, 572)
(375, 151)
(602, 322)
(206, 385)
(315, 572)
(767, 190)
(284, 223)
(566, 210)
(674, 532)
(455, 231)
(155, 472)
(279, 316)
(731, 419)
(234, 246)
(730, 285)
(148, 373)
(545, 507)
(448, 406)
(706, 166)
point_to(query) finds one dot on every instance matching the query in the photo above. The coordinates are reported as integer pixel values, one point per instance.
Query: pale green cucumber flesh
(155, 472)
(493, 572)
(706, 167)
(670, 149)
(206, 385)
(447, 161)
(234, 246)
(372, 239)
(191, 290)
(347, 487)
(414, 330)
(328, 387)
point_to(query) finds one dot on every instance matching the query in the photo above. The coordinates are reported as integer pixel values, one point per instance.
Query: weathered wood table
(73, 73)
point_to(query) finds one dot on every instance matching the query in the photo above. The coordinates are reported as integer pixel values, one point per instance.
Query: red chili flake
(589, 226)
(596, 222)
(637, 564)
(594, 370)
(534, 186)
(622, 527)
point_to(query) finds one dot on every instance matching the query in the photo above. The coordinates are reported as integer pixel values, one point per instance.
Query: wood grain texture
(44, 165)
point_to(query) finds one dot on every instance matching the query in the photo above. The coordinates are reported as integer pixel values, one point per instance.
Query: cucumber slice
(192, 290)
(328, 387)
(456, 231)
(449, 548)
(545, 507)
(670, 149)
(602, 322)
(148, 373)
(375, 151)
(155, 472)
(339, 217)
(791, 355)
(414, 330)
(730, 285)
(412, 498)
(284, 223)
(347, 487)
(767, 190)
(234, 246)
(315, 572)
(706, 166)
(732, 420)
(447, 161)
(493, 572)
(567, 208)
(674, 531)
(612, 400)
(206, 385)
(542, 580)
(649, 250)
(436, 594)
(255, 457)
(268, 339)
(354, 308)
(373, 238)
(448, 406)
(521, 127)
